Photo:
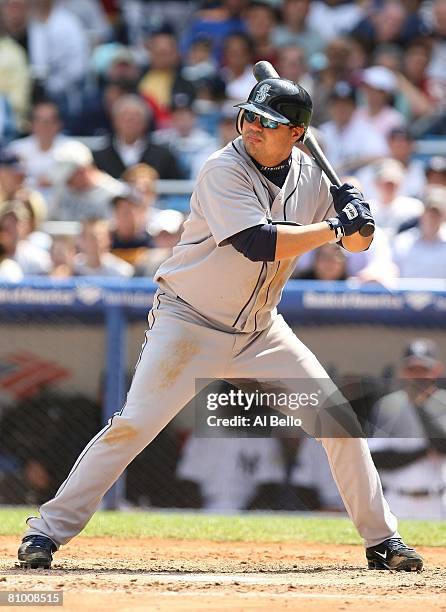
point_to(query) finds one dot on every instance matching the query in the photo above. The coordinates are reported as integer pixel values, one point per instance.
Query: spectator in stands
(334, 18)
(58, 53)
(388, 22)
(199, 63)
(165, 228)
(417, 97)
(91, 15)
(131, 144)
(63, 253)
(9, 269)
(335, 65)
(216, 21)
(143, 178)
(30, 258)
(435, 171)
(237, 66)
(409, 436)
(229, 471)
(227, 130)
(130, 239)
(94, 257)
(390, 209)
(401, 148)
(81, 190)
(292, 65)
(261, 20)
(163, 79)
(295, 29)
(420, 252)
(15, 83)
(328, 263)
(12, 175)
(437, 64)
(14, 15)
(350, 142)
(185, 140)
(379, 85)
(8, 127)
(36, 151)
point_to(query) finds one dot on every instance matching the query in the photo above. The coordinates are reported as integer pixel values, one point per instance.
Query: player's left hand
(345, 194)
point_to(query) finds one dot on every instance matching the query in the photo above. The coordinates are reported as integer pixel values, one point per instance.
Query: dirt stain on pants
(180, 353)
(120, 433)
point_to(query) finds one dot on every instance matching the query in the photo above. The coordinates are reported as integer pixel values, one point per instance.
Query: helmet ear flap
(239, 122)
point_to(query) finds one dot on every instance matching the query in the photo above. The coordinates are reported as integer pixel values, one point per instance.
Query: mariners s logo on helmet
(262, 93)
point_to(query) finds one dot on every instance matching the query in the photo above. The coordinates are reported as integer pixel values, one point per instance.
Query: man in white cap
(81, 190)
(380, 85)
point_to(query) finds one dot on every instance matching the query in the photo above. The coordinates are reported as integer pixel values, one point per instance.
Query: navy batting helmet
(281, 100)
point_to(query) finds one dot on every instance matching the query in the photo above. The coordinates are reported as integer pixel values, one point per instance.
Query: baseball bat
(265, 70)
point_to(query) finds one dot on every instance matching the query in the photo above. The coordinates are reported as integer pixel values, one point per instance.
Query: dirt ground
(178, 575)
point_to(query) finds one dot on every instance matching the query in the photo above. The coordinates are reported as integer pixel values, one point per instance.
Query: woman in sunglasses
(258, 204)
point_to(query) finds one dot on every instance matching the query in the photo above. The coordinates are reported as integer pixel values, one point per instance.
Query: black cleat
(393, 554)
(35, 551)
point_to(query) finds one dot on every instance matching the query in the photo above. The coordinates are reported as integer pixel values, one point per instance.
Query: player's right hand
(353, 216)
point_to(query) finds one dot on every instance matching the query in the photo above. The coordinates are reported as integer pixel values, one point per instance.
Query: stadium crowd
(102, 101)
(99, 100)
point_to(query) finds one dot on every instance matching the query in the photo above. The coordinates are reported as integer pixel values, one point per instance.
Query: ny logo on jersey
(262, 93)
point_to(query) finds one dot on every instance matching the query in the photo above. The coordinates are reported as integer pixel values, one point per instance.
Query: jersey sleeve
(228, 202)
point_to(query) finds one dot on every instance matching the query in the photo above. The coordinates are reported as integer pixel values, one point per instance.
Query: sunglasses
(264, 121)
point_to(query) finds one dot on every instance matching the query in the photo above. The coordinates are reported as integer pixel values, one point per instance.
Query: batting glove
(350, 219)
(344, 194)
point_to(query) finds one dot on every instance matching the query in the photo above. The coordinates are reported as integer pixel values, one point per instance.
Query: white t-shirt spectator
(357, 140)
(69, 205)
(58, 50)
(32, 259)
(37, 164)
(389, 217)
(418, 258)
(110, 266)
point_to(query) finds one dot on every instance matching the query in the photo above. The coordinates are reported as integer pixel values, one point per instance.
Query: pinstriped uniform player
(258, 204)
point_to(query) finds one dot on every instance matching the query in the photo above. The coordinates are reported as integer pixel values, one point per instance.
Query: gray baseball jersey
(232, 195)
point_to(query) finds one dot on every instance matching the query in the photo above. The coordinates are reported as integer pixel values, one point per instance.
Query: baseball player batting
(258, 204)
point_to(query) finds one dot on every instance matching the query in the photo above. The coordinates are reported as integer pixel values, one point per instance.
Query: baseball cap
(16, 208)
(343, 91)
(389, 171)
(380, 77)
(420, 351)
(401, 132)
(167, 220)
(129, 193)
(437, 163)
(182, 100)
(435, 197)
(69, 157)
(7, 158)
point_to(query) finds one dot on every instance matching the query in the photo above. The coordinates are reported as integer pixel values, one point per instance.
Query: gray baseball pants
(181, 346)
